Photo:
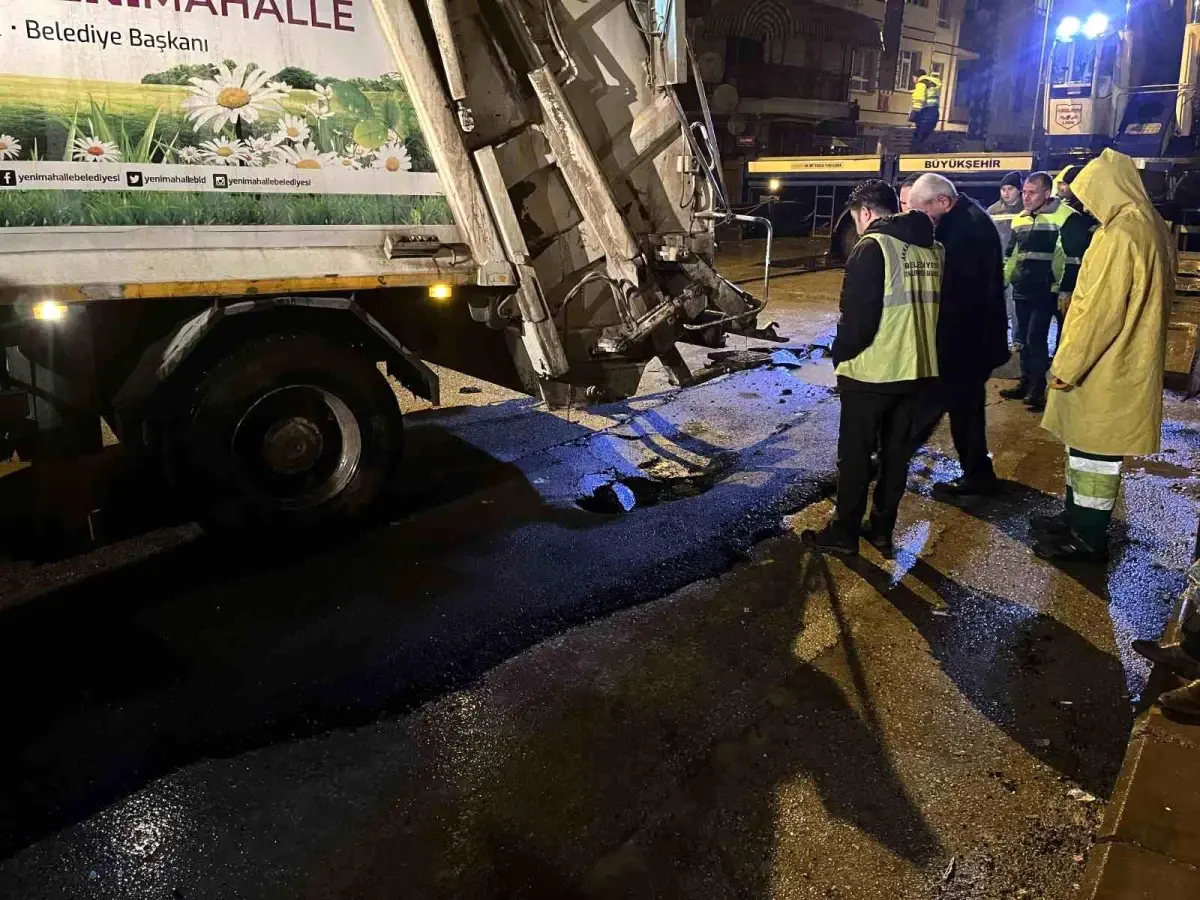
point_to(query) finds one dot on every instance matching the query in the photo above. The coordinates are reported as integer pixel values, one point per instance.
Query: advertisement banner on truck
(207, 112)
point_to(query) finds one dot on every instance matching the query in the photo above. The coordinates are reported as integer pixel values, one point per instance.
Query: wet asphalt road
(207, 722)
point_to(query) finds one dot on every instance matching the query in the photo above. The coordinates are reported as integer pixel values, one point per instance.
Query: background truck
(808, 194)
(220, 223)
(1111, 76)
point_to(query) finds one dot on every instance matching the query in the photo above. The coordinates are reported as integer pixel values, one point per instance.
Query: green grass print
(33, 209)
(144, 121)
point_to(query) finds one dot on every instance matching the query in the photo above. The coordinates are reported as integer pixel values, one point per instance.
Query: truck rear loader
(222, 222)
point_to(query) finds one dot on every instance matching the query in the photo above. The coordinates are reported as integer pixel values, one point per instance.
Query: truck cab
(1081, 98)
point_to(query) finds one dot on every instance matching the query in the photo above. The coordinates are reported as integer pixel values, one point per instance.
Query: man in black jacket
(886, 355)
(1076, 234)
(972, 328)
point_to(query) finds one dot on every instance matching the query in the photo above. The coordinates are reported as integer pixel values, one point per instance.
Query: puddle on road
(663, 482)
(1161, 468)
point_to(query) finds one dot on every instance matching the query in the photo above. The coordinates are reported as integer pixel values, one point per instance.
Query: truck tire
(291, 431)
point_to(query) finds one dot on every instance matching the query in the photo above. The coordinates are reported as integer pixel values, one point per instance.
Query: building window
(864, 70)
(924, 3)
(939, 69)
(943, 9)
(907, 67)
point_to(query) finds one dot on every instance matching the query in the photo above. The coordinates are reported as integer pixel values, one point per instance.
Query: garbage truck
(226, 226)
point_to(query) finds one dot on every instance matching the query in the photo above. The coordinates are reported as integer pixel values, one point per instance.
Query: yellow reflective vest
(905, 347)
(927, 92)
(1035, 260)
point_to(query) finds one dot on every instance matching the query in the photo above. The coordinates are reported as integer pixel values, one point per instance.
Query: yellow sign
(968, 163)
(784, 165)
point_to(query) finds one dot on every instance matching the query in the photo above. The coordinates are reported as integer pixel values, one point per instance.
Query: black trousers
(926, 121)
(1035, 312)
(964, 401)
(873, 421)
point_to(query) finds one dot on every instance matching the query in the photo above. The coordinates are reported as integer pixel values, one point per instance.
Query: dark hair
(921, 72)
(875, 195)
(910, 180)
(1070, 173)
(1044, 178)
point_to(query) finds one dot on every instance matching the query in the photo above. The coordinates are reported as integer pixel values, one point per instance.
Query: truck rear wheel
(290, 430)
(845, 239)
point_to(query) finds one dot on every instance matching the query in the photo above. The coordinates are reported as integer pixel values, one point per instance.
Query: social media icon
(8, 178)
(220, 181)
(133, 179)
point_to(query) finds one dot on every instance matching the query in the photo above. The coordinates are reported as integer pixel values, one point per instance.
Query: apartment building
(777, 73)
(801, 77)
(929, 39)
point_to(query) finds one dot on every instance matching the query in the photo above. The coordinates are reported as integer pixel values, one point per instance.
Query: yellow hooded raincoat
(1114, 338)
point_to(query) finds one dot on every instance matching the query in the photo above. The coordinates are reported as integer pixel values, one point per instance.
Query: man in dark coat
(972, 337)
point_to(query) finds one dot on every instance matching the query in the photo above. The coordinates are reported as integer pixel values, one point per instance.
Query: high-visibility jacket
(1076, 237)
(905, 346)
(927, 93)
(1035, 260)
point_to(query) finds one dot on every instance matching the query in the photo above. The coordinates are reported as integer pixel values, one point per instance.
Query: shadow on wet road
(1009, 511)
(877, 803)
(664, 757)
(1048, 688)
(211, 649)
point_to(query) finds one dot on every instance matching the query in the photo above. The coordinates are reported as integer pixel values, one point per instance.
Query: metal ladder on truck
(825, 210)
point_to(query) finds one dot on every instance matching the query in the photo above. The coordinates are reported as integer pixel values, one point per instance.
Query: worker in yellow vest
(926, 106)
(885, 354)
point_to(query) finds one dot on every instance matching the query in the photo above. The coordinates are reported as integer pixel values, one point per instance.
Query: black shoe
(879, 537)
(1170, 656)
(1036, 403)
(1068, 549)
(1185, 700)
(1057, 525)
(1018, 392)
(968, 487)
(830, 539)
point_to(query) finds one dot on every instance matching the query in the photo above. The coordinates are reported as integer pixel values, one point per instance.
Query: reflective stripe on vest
(905, 347)
(1037, 226)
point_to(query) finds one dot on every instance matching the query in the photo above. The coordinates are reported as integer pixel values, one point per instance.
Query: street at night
(585, 654)
(558, 450)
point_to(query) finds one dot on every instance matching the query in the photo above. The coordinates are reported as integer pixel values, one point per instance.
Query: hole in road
(614, 496)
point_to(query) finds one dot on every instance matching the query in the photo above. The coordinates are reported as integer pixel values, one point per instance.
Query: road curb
(1149, 843)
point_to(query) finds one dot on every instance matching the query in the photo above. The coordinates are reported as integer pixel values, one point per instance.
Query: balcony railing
(762, 80)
